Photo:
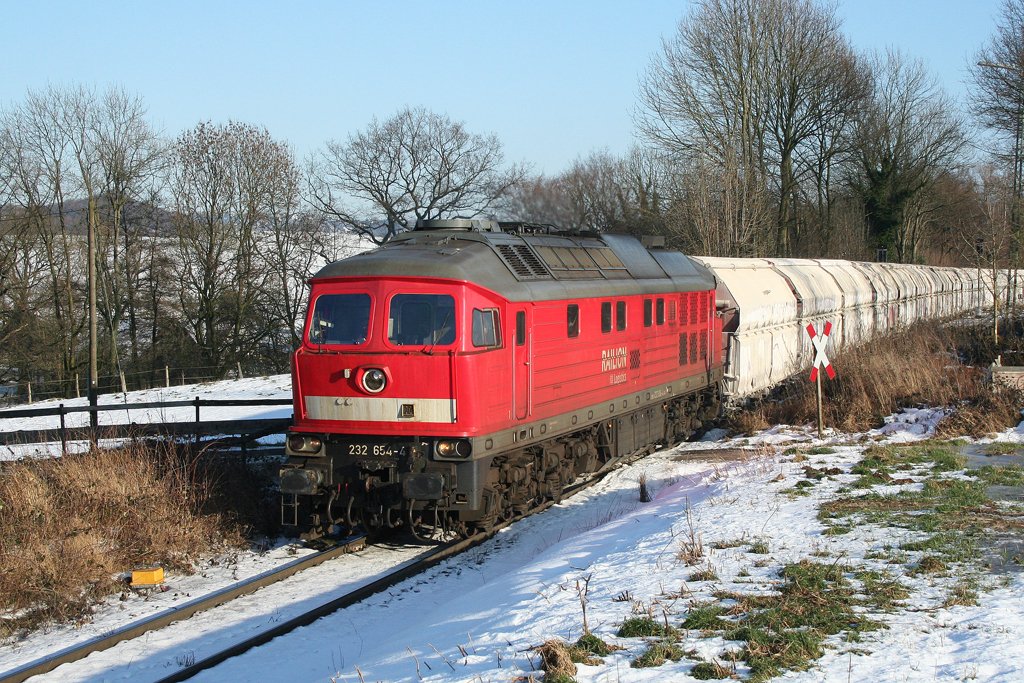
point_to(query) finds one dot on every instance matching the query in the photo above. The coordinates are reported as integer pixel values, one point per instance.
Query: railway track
(402, 572)
(163, 619)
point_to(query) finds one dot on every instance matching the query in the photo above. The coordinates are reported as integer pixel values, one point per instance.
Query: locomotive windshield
(340, 319)
(421, 319)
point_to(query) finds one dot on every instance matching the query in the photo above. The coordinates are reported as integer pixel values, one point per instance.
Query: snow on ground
(478, 617)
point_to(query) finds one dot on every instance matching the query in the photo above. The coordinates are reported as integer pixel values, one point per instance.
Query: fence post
(78, 392)
(124, 385)
(29, 385)
(239, 364)
(167, 377)
(63, 432)
(195, 437)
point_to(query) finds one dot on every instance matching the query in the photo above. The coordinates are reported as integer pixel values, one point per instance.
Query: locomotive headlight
(374, 380)
(304, 443)
(453, 448)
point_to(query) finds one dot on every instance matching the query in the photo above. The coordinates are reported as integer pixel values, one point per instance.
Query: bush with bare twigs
(925, 364)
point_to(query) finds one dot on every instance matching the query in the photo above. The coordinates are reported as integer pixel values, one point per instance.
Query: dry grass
(917, 366)
(70, 526)
(556, 660)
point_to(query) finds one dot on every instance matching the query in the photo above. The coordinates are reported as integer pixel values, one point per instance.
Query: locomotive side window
(660, 311)
(340, 319)
(572, 320)
(606, 316)
(421, 319)
(648, 313)
(485, 328)
(520, 328)
(620, 315)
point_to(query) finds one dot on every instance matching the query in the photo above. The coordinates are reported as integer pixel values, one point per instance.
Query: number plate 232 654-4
(371, 450)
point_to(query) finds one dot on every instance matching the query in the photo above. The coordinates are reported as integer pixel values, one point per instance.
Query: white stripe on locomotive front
(378, 409)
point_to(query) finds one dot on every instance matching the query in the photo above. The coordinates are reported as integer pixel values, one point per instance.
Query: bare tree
(37, 165)
(907, 137)
(229, 183)
(130, 157)
(288, 247)
(998, 103)
(703, 101)
(414, 165)
(751, 86)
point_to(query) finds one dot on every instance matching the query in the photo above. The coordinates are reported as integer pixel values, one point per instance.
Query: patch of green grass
(558, 678)
(786, 631)
(731, 543)
(706, 617)
(882, 590)
(768, 654)
(796, 491)
(706, 574)
(941, 505)
(965, 593)
(999, 476)
(820, 450)
(836, 530)
(804, 484)
(929, 564)
(759, 547)
(657, 654)
(644, 627)
(710, 671)
(883, 461)
(590, 646)
(872, 478)
(1001, 448)
(948, 546)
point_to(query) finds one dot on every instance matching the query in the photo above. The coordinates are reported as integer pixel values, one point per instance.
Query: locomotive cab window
(606, 316)
(572, 320)
(620, 315)
(648, 313)
(340, 319)
(520, 328)
(421, 320)
(660, 311)
(485, 328)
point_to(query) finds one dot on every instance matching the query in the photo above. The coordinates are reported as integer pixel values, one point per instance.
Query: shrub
(71, 525)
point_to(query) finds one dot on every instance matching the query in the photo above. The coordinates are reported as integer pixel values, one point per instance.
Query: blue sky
(554, 80)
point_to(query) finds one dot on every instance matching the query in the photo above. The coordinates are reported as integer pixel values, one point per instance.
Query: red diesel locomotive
(469, 370)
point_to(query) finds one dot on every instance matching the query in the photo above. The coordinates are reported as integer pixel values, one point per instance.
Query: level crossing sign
(820, 359)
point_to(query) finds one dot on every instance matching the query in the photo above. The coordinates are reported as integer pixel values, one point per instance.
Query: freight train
(469, 370)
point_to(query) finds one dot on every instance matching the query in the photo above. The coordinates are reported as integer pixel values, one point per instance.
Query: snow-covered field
(480, 616)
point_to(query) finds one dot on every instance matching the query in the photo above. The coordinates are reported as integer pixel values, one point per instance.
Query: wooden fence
(247, 430)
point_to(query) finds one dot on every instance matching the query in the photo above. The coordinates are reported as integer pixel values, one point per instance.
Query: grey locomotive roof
(511, 262)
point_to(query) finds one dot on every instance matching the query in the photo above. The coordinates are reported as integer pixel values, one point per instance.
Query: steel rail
(184, 611)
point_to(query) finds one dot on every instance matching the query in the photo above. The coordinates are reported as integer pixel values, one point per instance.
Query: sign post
(820, 360)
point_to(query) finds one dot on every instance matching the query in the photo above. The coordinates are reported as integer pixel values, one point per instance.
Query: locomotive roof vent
(458, 224)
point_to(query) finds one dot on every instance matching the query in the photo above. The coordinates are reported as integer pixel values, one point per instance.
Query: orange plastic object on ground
(148, 577)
